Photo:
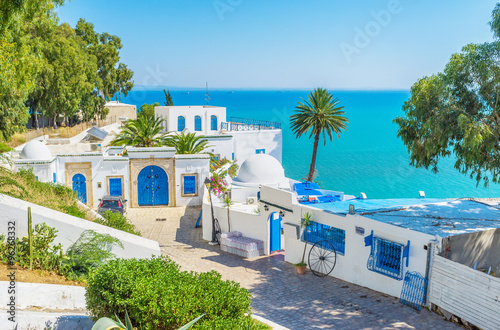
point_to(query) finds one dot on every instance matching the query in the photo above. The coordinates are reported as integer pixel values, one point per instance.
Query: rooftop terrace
(442, 217)
(246, 124)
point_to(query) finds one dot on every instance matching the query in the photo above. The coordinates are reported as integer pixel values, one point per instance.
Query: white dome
(260, 169)
(35, 150)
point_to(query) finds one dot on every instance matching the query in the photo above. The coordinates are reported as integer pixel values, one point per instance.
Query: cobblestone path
(279, 294)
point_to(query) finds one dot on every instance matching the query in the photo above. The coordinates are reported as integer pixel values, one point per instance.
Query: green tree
(227, 203)
(320, 114)
(456, 112)
(168, 98)
(68, 75)
(148, 110)
(142, 132)
(20, 57)
(114, 77)
(186, 143)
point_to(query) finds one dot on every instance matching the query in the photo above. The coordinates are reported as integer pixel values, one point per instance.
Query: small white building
(229, 137)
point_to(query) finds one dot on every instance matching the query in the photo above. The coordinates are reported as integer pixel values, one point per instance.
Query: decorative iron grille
(386, 258)
(319, 232)
(413, 292)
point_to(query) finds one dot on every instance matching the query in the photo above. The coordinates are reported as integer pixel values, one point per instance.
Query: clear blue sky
(286, 44)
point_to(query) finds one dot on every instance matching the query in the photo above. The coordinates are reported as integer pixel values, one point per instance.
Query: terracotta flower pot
(301, 270)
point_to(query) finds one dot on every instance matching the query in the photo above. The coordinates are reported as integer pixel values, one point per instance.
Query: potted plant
(305, 223)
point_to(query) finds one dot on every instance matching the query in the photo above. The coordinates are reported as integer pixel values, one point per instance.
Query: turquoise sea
(367, 158)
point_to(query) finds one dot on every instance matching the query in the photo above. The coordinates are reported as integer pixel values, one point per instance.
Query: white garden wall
(70, 228)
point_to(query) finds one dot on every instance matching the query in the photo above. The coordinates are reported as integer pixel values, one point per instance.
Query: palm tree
(186, 143)
(321, 113)
(142, 132)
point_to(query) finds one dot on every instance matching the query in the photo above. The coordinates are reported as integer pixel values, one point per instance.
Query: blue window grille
(213, 123)
(189, 184)
(181, 123)
(386, 257)
(319, 232)
(260, 151)
(197, 123)
(54, 177)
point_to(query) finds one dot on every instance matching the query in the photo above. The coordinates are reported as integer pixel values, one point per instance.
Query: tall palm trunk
(310, 176)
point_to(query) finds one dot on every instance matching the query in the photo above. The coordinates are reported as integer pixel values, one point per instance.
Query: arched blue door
(275, 232)
(152, 186)
(80, 186)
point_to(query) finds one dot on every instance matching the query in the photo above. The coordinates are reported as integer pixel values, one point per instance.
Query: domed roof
(260, 169)
(35, 150)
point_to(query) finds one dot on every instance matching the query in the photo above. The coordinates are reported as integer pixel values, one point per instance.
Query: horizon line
(365, 89)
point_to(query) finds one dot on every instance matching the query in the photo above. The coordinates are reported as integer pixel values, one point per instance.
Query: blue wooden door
(80, 186)
(275, 232)
(115, 186)
(152, 186)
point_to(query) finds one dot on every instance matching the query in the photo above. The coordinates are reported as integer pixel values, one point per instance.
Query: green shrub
(118, 221)
(46, 255)
(156, 294)
(4, 148)
(89, 251)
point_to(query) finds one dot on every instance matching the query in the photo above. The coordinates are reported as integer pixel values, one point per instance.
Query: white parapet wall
(14, 213)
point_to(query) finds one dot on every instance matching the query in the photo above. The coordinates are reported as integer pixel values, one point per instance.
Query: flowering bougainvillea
(218, 184)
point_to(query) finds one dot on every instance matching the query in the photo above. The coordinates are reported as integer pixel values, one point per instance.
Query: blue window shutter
(189, 184)
(181, 123)
(232, 156)
(213, 123)
(197, 123)
(54, 177)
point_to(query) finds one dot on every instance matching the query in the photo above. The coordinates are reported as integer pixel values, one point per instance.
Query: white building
(229, 137)
(142, 176)
(394, 246)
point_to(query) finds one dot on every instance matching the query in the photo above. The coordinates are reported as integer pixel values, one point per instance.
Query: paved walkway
(279, 294)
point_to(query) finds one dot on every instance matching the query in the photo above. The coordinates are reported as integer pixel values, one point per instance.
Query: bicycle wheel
(322, 258)
(218, 231)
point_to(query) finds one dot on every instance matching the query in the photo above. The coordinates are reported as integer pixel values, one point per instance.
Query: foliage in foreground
(156, 294)
(457, 112)
(89, 251)
(118, 221)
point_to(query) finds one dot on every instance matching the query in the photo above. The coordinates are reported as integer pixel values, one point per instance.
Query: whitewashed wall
(70, 228)
(247, 142)
(468, 293)
(171, 114)
(43, 170)
(185, 164)
(221, 145)
(250, 224)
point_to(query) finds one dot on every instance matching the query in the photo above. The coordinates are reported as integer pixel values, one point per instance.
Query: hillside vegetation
(23, 185)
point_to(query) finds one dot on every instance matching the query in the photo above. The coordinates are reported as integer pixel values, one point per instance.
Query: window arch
(197, 123)
(213, 123)
(181, 123)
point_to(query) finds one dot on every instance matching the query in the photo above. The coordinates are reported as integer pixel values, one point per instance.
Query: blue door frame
(80, 186)
(152, 186)
(275, 232)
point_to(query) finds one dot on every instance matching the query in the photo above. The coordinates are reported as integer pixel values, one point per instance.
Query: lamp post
(214, 239)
